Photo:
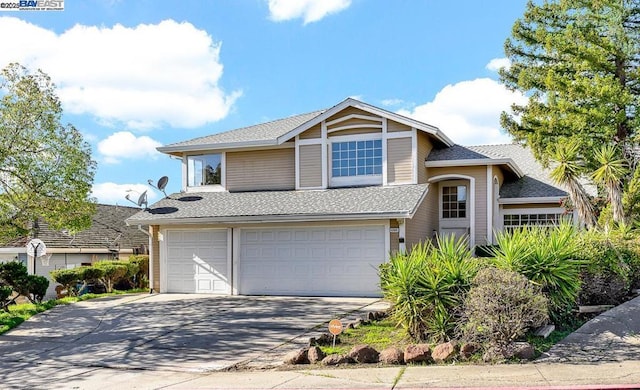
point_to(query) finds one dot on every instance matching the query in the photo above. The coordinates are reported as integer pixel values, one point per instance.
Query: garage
(311, 261)
(197, 261)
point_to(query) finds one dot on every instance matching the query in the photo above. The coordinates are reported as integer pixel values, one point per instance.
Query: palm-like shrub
(426, 286)
(549, 258)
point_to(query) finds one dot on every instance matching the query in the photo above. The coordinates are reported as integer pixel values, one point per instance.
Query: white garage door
(340, 261)
(197, 261)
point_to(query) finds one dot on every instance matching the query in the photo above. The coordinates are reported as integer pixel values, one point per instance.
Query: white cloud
(498, 63)
(125, 145)
(310, 10)
(112, 193)
(392, 102)
(141, 77)
(469, 111)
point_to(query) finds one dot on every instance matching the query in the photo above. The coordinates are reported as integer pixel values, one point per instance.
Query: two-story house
(313, 204)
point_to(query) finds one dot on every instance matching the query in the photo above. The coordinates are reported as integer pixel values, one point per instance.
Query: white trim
(235, 256)
(354, 116)
(475, 162)
(497, 223)
(230, 280)
(385, 165)
(308, 141)
(296, 160)
(526, 211)
(362, 180)
(543, 199)
(162, 262)
(223, 170)
(387, 241)
(355, 137)
(185, 180)
(151, 241)
(355, 126)
(414, 156)
(489, 205)
(324, 153)
(472, 201)
(401, 134)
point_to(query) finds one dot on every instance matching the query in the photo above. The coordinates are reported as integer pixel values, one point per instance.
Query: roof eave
(273, 218)
(476, 162)
(216, 146)
(536, 199)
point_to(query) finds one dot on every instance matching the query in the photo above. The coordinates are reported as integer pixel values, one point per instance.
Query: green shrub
(68, 278)
(90, 274)
(501, 307)
(113, 271)
(5, 293)
(549, 258)
(37, 287)
(426, 286)
(141, 277)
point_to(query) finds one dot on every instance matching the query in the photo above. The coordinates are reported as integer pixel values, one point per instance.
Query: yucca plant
(549, 258)
(427, 286)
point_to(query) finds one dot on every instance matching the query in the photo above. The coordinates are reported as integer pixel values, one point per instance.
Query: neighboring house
(313, 204)
(109, 237)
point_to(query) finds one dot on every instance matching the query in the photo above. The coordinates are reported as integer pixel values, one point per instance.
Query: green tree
(577, 61)
(46, 169)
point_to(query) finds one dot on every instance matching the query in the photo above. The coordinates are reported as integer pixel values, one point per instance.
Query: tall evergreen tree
(578, 62)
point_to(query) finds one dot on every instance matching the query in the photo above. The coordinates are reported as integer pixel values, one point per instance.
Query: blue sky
(133, 75)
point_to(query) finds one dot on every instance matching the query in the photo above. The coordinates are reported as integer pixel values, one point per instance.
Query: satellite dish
(162, 184)
(36, 248)
(142, 200)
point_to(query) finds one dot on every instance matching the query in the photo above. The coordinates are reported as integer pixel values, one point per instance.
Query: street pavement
(172, 341)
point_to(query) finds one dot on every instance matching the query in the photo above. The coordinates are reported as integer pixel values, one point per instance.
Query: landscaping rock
(358, 323)
(493, 355)
(349, 325)
(520, 350)
(371, 316)
(381, 315)
(444, 352)
(324, 339)
(416, 353)
(315, 355)
(364, 354)
(468, 349)
(391, 355)
(335, 359)
(297, 357)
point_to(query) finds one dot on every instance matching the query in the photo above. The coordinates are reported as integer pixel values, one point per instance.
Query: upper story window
(359, 160)
(454, 202)
(204, 170)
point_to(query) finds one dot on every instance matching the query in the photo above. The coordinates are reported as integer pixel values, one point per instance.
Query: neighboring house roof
(108, 231)
(308, 205)
(279, 131)
(535, 181)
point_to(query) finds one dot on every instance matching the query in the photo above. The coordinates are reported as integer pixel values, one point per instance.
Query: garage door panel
(311, 261)
(197, 261)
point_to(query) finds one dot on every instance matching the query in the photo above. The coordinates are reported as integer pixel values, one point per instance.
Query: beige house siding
(154, 257)
(399, 161)
(394, 242)
(419, 228)
(349, 111)
(480, 175)
(497, 172)
(424, 148)
(314, 132)
(395, 126)
(354, 122)
(310, 165)
(261, 170)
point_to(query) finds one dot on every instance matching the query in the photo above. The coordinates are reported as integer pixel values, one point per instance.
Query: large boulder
(417, 353)
(315, 355)
(468, 349)
(519, 350)
(364, 354)
(444, 352)
(297, 357)
(391, 355)
(335, 359)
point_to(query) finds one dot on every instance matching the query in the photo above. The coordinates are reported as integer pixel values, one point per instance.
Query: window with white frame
(542, 219)
(360, 159)
(204, 170)
(454, 201)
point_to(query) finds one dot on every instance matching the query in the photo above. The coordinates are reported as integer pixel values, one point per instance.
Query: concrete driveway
(177, 332)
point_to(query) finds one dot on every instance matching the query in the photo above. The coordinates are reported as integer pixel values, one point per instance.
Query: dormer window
(204, 170)
(357, 162)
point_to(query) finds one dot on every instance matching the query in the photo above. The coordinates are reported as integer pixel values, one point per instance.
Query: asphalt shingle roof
(339, 202)
(261, 132)
(536, 181)
(108, 230)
